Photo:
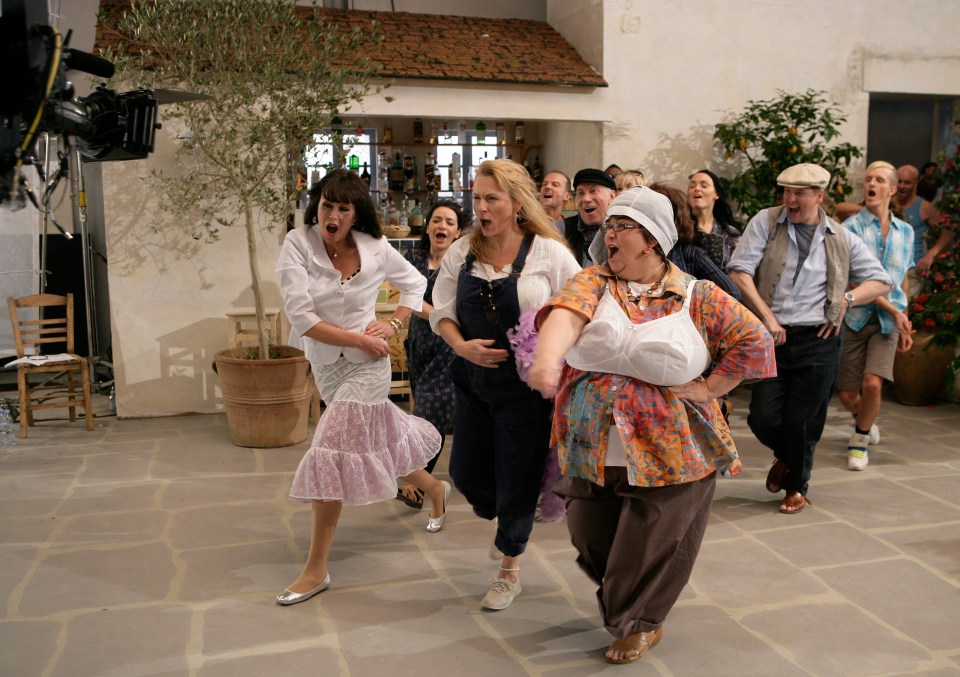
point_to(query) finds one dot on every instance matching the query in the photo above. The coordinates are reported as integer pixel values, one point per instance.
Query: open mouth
(331, 229)
(547, 195)
(612, 251)
(871, 193)
(440, 237)
(485, 223)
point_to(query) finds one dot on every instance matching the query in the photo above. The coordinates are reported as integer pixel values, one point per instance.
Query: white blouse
(312, 291)
(548, 266)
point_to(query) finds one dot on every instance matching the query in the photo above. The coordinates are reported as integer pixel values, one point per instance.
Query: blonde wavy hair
(629, 178)
(513, 179)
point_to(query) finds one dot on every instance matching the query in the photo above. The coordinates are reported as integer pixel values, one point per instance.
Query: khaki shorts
(867, 351)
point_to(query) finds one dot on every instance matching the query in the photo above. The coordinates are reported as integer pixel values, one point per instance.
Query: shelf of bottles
(408, 176)
(449, 167)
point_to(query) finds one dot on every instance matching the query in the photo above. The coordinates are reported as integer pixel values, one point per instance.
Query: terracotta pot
(919, 375)
(267, 401)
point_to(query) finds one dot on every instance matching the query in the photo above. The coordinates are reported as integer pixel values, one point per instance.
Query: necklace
(648, 289)
(652, 290)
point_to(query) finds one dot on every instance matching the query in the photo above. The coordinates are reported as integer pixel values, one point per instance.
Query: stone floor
(155, 547)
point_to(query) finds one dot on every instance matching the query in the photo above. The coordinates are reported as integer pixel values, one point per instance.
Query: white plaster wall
(676, 67)
(169, 293)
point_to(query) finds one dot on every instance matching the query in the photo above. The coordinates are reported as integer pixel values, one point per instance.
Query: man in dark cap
(594, 191)
(798, 270)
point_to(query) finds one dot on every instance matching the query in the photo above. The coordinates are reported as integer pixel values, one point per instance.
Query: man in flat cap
(594, 190)
(799, 271)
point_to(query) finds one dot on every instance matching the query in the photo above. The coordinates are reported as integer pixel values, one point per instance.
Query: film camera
(37, 97)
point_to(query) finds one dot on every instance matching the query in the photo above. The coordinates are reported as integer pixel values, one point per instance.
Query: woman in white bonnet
(639, 432)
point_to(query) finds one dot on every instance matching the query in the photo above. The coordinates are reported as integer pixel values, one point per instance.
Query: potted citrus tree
(268, 75)
(770, 135)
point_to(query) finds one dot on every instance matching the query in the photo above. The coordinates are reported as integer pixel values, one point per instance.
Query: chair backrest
(35, 332)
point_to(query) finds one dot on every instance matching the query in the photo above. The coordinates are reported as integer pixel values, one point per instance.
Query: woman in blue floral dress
(428, 356)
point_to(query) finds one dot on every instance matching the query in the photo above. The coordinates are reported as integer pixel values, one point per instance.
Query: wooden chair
(36, 332)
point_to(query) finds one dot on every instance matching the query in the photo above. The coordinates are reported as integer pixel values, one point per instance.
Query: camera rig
(39, 98)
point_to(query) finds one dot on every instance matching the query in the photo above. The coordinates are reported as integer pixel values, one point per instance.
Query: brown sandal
(640, 642)
(410, 495)
(794, 503)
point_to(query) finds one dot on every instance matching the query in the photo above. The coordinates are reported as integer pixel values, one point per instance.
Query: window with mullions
(471, 155)
(330, 150)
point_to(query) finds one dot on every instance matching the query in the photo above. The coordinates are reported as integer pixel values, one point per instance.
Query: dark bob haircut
(341, 185)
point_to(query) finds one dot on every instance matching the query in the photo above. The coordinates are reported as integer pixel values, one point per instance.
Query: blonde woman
(511, 262)
(629, 179)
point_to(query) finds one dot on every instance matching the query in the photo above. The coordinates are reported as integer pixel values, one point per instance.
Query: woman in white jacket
(330, 273)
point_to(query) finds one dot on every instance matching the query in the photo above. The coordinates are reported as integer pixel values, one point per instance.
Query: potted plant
(773, 134)
(930, 368)
(270, 75)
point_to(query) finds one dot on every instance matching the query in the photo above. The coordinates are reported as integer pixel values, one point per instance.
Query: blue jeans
(788, 412)
(501, 434)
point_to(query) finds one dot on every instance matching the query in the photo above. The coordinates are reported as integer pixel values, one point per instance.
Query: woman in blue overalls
(510, 263)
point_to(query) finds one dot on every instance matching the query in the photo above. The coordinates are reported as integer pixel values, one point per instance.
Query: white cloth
(667, 351)
(312, 291)
(363, 441)
(548, 267)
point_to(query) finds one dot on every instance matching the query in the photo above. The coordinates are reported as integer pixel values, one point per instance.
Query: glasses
(618, 227)
(490, 312)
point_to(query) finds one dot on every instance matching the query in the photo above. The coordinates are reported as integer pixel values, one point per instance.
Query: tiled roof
(440, 47)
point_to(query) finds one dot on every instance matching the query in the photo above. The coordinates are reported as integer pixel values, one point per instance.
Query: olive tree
(270, 74)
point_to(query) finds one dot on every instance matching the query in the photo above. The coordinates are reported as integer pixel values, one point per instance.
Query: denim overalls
(501, 430)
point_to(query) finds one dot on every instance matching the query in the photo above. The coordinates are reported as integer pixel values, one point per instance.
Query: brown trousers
(638, 544)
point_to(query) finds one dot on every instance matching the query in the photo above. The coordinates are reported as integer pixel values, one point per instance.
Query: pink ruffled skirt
(363, 442)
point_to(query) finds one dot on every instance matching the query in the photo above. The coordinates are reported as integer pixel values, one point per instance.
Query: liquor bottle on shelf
(404, 215)
(433, 133)
(388, 134)
(416, 218)
(417, 130)
(537, 171)
(453, 174)
(429, 169)
(520, 134)
(383, 173)
(393, 215)
(461, 132)
(353, 163)
(481, 133)
(365, 176)
(396, 173)
(501, 134)
(411, 181)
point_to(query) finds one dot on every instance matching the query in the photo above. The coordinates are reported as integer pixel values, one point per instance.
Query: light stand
(78, 199)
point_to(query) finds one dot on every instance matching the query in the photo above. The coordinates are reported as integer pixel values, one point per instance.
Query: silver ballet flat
(287, 597)
(435, 524)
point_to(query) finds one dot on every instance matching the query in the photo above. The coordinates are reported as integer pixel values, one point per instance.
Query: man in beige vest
(799, 271)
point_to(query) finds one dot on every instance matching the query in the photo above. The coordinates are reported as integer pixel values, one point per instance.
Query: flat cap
(594, 176)
(804, 175)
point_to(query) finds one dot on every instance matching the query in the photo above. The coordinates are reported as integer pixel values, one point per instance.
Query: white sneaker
(874, 434)
(857, 458)
(501, 594)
